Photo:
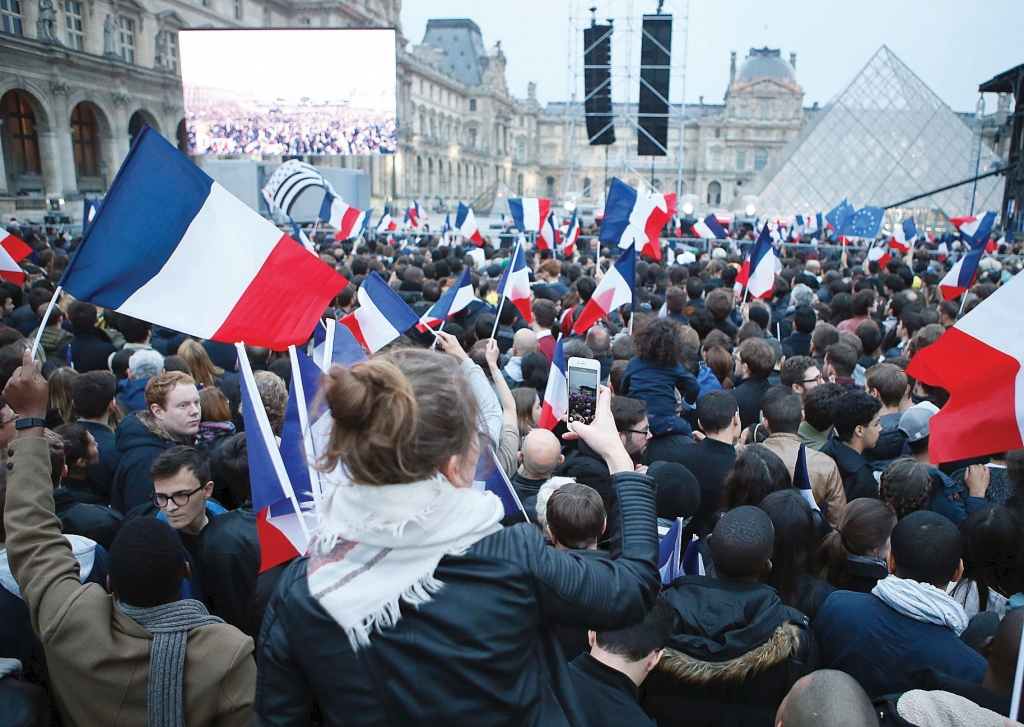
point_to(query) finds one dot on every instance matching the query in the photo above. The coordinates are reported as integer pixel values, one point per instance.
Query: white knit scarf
(921, 602)
(379, 545)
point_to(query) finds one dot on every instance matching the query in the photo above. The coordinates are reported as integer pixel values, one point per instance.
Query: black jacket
(100, 477)
(140, 439)
(709, 461)
(863, 576)
(857, 473)
(96, 522)
(479, 653)
(749, 395)
(588, 468)
(797, 344)
(89, 350)
(734, 654)
(609, 697)
(228, 559)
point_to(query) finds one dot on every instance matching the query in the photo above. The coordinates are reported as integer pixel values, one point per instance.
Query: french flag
(809, 223)
(979, 362)
(548, 239)
(529, 213)
(879, 252)
(382, 315)
(414, 214)
(300, 236)
(465, 220)
(572, 234)
(386, 224)
(904, 236)
(490, 477)
(630, 217)
(348, 221)
(456, 298)
(960, 277)
(614, 290)
(802, 478)
(306, 430)
(446, 232)
(709, 228)
(670, 552)
(89, 209)
(515, 282)
(12, 250)
(943, 250)
(758, 271)
(173, 247)
(335, 344)
(284, 523)
(975, 228)
(556, 395)
(693, 561)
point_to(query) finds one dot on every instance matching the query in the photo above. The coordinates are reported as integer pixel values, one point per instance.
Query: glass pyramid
(884, 138)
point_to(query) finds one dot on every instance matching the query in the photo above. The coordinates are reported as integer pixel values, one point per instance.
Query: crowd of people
(884, 587)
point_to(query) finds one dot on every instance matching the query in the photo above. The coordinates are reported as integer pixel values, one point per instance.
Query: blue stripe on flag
(618, 208)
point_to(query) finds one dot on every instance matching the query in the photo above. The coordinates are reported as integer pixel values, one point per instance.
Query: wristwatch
(29, 422)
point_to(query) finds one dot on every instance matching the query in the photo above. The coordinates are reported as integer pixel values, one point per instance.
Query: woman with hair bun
(853, 556)
(414, 605)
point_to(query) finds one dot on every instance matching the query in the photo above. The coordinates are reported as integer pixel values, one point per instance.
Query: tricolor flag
(386, 224)
(515, 282)
(879, 252)
(335, 344)
(12, 250)
(456, 298)
(300, 236)
(809, 223)
(529, 213)
(414, 214)
(382, 315)
(283, 522)
(173, 247)
(979, 362)
(348, 221)
(943, 249)
(465, 220)
(548, 239)
(556, 395)
(630, 217)
(89, 209)
(446, 232)
(693, 561)
(491, 477)
(709, 228)
(960, 277)
(670, 552)
(975, 228)
(571, 235)
(677, 226)
(802, 478)
(615, 289)
(904, 236)
(758, 271)
(306, 430)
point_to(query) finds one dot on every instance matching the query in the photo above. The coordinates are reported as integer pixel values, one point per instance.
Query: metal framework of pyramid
(884, 138)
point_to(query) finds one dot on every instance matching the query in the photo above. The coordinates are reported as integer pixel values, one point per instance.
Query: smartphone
(584, 380)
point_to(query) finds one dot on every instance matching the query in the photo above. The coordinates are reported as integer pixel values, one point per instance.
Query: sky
(329, 65)
(951, 45)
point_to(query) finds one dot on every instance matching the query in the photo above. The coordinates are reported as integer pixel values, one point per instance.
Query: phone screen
(583, 385)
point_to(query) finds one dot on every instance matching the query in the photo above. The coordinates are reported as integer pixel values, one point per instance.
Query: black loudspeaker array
(655, 63)
(597, 82)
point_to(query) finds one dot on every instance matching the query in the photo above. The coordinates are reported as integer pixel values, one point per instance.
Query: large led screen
(282, 92)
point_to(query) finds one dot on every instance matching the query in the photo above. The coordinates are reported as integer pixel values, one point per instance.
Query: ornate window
(126, 38)
(714, 193)
(550, 187)
(741, 160)
(73, 24)
(760, 159)
(85, 141)
(19, 132)
(10, 12)
(472, 104)
(586, 187)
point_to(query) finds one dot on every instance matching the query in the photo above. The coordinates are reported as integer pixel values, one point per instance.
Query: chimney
(792, 60)
(732, 68)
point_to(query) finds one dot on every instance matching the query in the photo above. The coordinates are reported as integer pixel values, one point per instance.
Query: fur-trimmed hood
(728, 631)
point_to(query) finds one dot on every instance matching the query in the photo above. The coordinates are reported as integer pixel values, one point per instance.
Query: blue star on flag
(864, 223)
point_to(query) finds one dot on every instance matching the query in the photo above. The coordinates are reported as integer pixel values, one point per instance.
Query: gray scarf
(169, 624)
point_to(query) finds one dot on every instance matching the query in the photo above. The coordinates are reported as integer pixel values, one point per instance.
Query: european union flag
(864, 223)
(836, 217)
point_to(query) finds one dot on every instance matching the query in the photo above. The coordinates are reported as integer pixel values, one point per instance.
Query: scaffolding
(620, 159)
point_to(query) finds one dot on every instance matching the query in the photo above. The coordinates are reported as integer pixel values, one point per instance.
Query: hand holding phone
(584, 376)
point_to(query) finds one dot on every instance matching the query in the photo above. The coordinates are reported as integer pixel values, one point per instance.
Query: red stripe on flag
(284, 301)
(352, 323)
(547, 418)
(981, 416)
(275, 548)
(348, 222)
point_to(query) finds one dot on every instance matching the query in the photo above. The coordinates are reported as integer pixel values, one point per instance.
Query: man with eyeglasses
(801, 374)
(182, 488)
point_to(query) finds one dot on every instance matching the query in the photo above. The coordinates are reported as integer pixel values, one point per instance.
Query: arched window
(135, 124)
(182, 137)
(760, 159)
(419, 175)
(430, 176)
(550, 187)
(586, 187)
(20, 142)
(85, 139)
(714, 193)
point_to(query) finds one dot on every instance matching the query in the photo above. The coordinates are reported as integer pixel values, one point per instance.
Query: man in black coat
(855, 419)
(711, 459)
(92, 395)
(91, 348)
(756, 363)
(99, 523)
(798, 343)
(608, 679)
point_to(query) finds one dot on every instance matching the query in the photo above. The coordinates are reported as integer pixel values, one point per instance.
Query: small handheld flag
(758, 271)
(669, 552)
(615, 289)
(549, 238)
(348, 221)
(456, 298)
(709, 228)
(904, 236)
(863, 224)
(492, 478)
(382, 315)
(446, 232)
(693, 561)
(529, 213)
(335, 344)
(12, 250)
(465, 220)
(89, 209)
(802, 478)
(556, 395)
(515, 282)
(572, 234)
(630, 217)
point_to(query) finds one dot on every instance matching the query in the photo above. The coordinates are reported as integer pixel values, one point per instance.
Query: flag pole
(46, 317)
(963, 304)
(307, 432)
(1015, 700)
(497, 316)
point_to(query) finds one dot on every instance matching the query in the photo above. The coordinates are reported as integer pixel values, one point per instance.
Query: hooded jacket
(734, 654)
(140, 439)
(131, 394)
(89, 350)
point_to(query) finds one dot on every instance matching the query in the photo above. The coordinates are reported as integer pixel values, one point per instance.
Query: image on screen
(582, 395)
(310, 91)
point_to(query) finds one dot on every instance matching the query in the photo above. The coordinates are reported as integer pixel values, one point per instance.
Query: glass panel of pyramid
(884, 138)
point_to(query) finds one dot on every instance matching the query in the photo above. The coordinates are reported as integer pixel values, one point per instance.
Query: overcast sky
(951, 45)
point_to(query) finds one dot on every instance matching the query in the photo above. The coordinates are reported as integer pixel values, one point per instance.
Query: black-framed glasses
(178, 498)
(644, 432)
(817, 379)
